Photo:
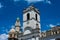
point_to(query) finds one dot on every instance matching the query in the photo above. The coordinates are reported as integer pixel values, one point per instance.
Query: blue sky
(11, 9)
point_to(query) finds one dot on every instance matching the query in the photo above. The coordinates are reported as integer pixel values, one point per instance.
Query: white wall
(32, 23)
(32, 15)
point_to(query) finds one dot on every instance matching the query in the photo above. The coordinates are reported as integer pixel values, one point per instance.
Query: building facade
(32, 28)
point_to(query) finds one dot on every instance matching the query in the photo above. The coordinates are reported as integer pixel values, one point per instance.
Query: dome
(17, 18)
(12, 30)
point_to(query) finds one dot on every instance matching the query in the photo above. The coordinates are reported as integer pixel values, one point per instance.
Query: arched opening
(10, 35)
(28, 28)
(36, 16)
(28, 16)
(27, 32)
(56, 32)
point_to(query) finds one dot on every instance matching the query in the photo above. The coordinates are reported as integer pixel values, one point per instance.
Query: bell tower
(31, 18)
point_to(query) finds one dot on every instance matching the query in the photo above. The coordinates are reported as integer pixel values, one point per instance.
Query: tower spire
(17, 22)
(17, 25)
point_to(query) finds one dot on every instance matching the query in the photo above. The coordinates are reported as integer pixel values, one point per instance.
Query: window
(56, 32)
(28, 16)
(10, 35)
(36, 16)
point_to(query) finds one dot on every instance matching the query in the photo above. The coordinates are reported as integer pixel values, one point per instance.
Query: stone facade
(31, 27)
(53, 34)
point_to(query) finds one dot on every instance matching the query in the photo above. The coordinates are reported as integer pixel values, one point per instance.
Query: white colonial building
(31, 26)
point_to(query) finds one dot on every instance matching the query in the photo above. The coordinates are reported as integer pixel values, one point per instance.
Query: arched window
(28, 16)
(36, 16)
(56, 32)
(10, 35)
